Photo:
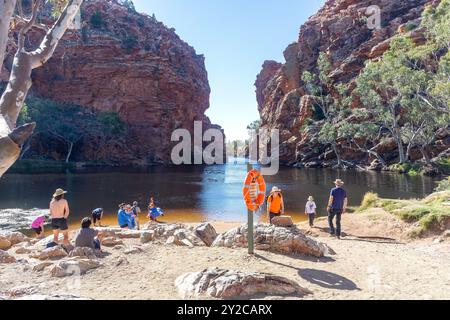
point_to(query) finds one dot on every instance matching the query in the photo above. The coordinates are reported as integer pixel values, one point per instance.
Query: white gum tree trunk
(12, 100)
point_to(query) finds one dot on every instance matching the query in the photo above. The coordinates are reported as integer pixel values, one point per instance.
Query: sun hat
(339, 182)
(59, 192)
(275, 189)
(311, 198)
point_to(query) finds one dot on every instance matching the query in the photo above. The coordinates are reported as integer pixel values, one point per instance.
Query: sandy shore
(361, 269)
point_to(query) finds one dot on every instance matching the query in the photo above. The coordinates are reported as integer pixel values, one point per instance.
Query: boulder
(121, 261)
(23, 250)
(147, 236)
(283, 221)
(73, 266)
(206, 233)
(41, 266)
(42, 244)
(13, 236)
(226, 284)
(6, 258)
(274, 239)
(111, 242)
(87, 253)
(57, 252)
(134, 250)
(5, 244)
(129, 234)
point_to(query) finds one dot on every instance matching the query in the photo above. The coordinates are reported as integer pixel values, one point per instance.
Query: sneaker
(332, 235)
(338, 237)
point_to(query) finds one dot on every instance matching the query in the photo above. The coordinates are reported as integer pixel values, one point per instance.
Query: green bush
(129, 43)
(443, 185)
(370, 200)
(97, 20)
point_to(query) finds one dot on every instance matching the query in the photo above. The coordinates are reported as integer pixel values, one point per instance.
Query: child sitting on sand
(311, 210)
(38, 226)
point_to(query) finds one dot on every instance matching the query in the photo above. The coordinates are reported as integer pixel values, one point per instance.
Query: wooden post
(250, 239)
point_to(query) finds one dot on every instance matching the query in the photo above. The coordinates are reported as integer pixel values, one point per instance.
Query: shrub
(97, 20)
(443, 185)
(129, 43)
(370, 200)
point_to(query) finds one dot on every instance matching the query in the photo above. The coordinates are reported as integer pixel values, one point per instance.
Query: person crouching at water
(153, 211)
(87, 237)
(38, 226)
(135, 212)
(59, 211)
(97, 216)
(311, 210)
(275, 204)
(124, 218)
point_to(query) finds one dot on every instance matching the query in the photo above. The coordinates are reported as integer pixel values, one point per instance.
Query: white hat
(275, 189)
(339, 182)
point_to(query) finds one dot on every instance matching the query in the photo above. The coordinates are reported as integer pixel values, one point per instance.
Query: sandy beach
(368, 268)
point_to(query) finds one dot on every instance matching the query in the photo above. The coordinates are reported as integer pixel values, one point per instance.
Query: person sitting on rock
(38, 226)
(275, 204)
(87, 237)
(124, 218)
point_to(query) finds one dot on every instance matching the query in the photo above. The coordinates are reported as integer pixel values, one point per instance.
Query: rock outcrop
(274, 239)
(129, 63)
(340, 29)
(226, 284)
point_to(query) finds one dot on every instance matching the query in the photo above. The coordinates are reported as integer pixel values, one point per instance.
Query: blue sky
(236, 36)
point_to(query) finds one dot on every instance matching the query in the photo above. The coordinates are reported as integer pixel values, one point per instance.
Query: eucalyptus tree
(25, 61)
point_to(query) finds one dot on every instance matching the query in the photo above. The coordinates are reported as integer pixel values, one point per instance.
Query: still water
(188, 194)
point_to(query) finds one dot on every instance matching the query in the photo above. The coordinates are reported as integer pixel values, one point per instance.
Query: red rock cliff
(129, 63)
(340, 30)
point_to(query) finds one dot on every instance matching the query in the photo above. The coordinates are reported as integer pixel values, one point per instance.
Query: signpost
(250, 239)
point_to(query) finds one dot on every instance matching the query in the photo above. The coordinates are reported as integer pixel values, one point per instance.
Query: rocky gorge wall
(129, 63)
(340, 30)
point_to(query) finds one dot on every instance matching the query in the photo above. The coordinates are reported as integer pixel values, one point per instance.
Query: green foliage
(129, 43)
(255, 125)
(370, 200)
(443, 185)
(96, 20)
(129, 5)
(69, 123)
(411, 169)
(410, 26)
(58, 7)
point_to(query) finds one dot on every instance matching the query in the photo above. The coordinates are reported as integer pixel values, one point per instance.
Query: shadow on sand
(327, 279)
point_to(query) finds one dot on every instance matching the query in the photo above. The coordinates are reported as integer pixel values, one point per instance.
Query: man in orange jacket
(275, 204)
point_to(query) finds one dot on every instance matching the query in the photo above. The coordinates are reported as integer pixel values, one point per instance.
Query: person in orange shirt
(275, 204)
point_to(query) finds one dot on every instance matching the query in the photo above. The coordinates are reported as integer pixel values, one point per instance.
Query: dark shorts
(124, 227)
(38, 230)
(60, 224)
(274, 215)
(96, 217)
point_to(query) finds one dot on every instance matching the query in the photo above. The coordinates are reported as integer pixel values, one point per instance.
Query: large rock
(274, 239)
(206, 233)
(111, 242)
(131, 64)
(341, 31)
(226, 284)
(5, 244)
(57, 252)
(87, 253)
(73, 267)
(6, 258)
(283, 221)
(13, 236)
(42, 266)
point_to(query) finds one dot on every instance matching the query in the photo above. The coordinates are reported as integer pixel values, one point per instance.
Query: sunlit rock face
(132, 64)
(341, 30)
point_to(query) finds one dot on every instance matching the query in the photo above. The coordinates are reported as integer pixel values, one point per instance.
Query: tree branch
(6, 13)
(28, 25)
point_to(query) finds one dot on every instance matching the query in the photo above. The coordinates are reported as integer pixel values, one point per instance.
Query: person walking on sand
(311, 210)
(337, 206)
(275, 204)
(59, 211)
